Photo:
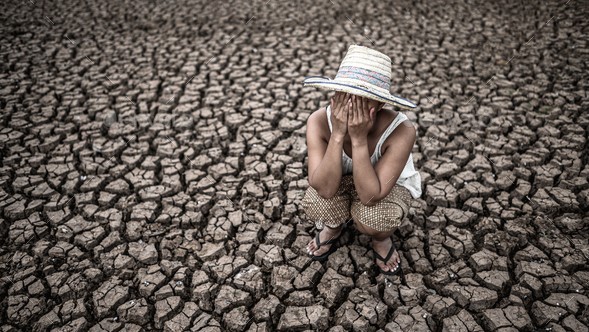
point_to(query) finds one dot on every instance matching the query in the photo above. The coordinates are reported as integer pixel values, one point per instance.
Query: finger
(347, 108)
(356, 109)
(362, 109)
(365, 109)
(340, 103)
(348, 97)
(352, 113)
(346, 114)
(350, 110)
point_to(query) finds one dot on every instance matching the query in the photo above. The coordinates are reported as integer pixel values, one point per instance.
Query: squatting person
(360, 164)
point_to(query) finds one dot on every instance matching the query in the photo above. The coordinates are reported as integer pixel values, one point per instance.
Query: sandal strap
(389, 254)
(329, 241)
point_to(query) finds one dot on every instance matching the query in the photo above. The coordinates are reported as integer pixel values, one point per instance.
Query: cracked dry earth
(153, 162)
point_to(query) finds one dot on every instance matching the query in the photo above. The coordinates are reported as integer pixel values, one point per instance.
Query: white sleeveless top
(409, 178)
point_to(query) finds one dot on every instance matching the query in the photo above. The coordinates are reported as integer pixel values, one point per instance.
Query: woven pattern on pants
(385, 215)
(332, 211)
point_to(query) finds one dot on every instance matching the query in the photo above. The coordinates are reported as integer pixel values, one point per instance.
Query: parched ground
(153, 161)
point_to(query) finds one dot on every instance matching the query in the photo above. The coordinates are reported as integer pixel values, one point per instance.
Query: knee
(377, 220)
(330, 210)
(324, 194)
(367, 230)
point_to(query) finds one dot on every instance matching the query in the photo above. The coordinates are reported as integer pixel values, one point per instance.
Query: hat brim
(329, 84)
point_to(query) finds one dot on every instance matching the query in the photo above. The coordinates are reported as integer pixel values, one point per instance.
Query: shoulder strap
(398, 120)
(329, 117)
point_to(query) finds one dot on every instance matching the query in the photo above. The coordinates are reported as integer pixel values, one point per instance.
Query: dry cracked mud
(153, 161)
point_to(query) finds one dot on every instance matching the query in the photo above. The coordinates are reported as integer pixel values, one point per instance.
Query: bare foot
(325, 235)
(382, 248)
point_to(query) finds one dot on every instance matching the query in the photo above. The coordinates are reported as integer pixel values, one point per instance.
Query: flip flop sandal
(331, 249)
(386, 259)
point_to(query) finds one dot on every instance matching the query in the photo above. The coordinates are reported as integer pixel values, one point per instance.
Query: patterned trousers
(385, 215)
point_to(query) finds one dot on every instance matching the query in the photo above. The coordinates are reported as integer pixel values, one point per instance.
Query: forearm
(365, 179)
(327, 176)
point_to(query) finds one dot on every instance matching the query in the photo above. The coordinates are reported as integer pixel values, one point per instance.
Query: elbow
(322, 192)
(326, 194)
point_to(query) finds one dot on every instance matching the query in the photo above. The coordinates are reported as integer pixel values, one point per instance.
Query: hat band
(325, 82)
(361, 74)
(356, 87)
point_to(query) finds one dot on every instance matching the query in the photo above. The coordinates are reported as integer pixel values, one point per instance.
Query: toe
(383, 266)
(324, 249)
(391, 266)
(395, 260)
(392, 263)
(397, 264)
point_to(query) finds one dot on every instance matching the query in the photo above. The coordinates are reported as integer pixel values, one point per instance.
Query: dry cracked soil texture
(153, 161)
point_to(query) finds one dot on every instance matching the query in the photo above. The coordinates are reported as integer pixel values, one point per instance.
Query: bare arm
(325, 158)
(375, 183)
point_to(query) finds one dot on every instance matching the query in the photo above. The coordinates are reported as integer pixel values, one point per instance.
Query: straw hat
(364, 72)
